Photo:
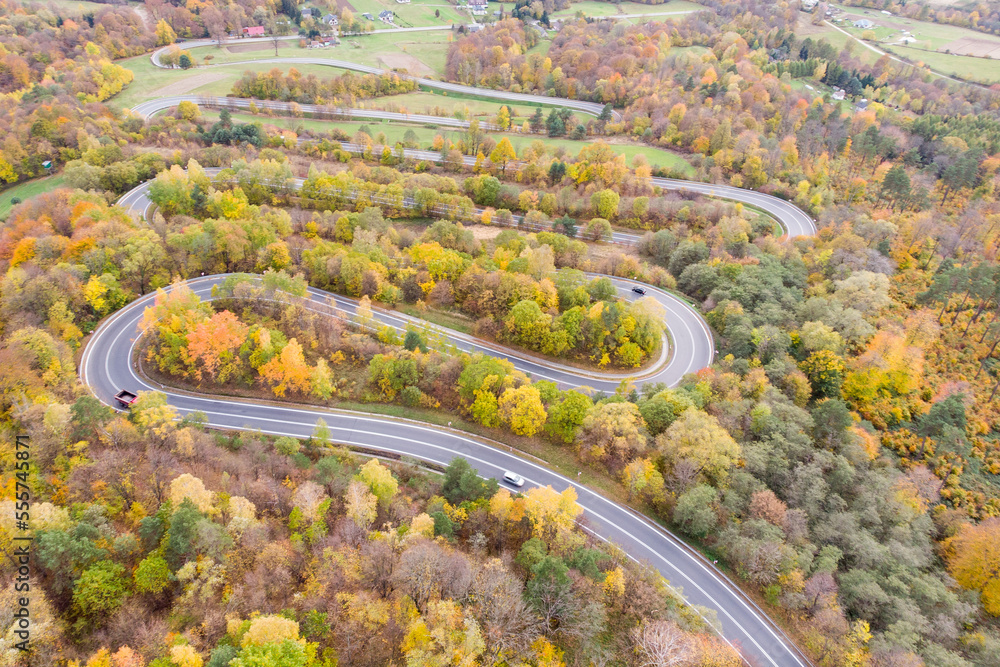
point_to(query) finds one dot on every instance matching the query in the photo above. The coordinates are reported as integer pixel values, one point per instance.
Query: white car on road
(513, 479)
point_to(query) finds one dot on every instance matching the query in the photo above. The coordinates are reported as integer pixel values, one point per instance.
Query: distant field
(947, 49)
(26, 191)
(76, 6)
(597, 8)
(152, 82)
(928, 35)
(982, 70)
(417, 13)
(427, 49)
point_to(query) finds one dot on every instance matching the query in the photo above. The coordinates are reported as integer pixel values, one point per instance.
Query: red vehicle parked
(126, 398)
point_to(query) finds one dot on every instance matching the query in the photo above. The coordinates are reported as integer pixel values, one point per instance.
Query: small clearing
(405, 61)
(251, 46)
(188, 84)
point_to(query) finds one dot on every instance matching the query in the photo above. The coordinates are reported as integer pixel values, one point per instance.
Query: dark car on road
(638, 290)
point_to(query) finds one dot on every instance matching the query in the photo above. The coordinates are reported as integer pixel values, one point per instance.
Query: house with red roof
(255, 31)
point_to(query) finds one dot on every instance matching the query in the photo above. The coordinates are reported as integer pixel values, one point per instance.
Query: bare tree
(215, 23)
(427, 570)
(277, 30)
(509, 626)
(661, 644)
(378, 562)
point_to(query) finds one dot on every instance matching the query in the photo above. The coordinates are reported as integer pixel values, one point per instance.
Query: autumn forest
(505, 231)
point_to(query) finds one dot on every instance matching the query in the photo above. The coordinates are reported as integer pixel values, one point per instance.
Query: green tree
(144, 257)
(896, 185)
(288, 653)
(185, 61)
(153, 575)
(695, 512)
(390, 373)
(462, 482)
(527, 325)
(598, 229)
(537, 121)
(566, 225)
(100, 591)
(605, 202)
(567, 416)
(181, 534)
(414, 341)
(663, 408)
(557, 170)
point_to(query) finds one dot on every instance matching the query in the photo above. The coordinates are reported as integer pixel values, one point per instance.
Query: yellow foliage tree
(522, 410)
(379, 481)
(444, 636)
(270, 630)
(189, 486)
(551, 512)
(185, 656)
(973, 556)
(164, 33)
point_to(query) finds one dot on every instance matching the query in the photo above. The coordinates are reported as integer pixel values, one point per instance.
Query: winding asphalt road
(106, 367)
(793, 220)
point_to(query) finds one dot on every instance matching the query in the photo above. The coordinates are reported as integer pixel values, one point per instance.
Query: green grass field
(416, 13)
(151, 82)
(932, 36)
(597, 8)
(655, 156)
(26, 191)
(982, 70)
(932, 42)
(421, 53)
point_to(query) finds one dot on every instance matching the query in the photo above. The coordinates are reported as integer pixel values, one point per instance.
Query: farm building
(477, 7)
(864, 24)
(255, 31)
